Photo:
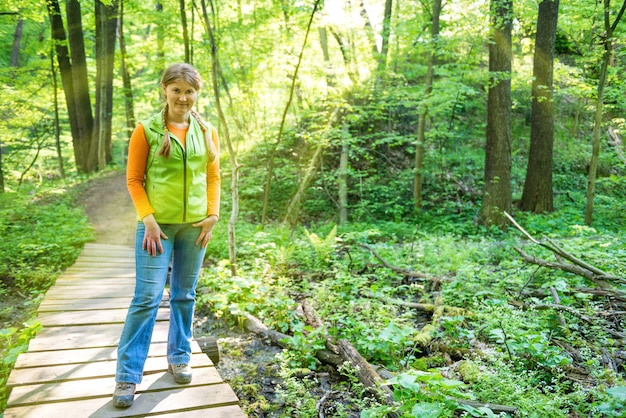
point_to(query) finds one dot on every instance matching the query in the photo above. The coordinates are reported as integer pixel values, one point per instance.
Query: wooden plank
(108, 281)
(230, 411)
(95, 317)
(103, 387)
(88, 336)
(71, 292)
(146, 404)
(86, 355)
(78, 371)
(54, 305)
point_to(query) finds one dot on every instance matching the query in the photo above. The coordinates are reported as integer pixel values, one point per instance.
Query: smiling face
(180, 97)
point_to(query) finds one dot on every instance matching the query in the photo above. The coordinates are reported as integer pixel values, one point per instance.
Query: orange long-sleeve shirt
(138, 151)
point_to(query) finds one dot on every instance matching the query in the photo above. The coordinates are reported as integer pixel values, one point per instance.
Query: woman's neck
(179, 121)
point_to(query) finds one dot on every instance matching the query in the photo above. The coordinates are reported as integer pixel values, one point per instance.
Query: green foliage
(614, 403)
(426, 394)
(40, 237)
(41, 234)
(13, 342)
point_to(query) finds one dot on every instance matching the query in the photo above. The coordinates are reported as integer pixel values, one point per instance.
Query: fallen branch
(404, 272)
(578, 315)
(578, 266)
(424, 307)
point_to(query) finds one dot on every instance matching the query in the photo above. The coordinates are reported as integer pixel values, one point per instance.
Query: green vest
(176, 185)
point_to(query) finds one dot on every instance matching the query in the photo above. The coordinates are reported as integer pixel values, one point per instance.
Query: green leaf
(427, 410)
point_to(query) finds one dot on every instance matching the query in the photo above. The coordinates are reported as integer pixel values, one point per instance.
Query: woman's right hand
(152, 236)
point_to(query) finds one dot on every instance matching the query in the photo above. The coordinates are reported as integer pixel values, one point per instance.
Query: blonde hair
(187, 73)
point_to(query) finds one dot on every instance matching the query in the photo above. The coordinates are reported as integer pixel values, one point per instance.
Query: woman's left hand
(207, 228)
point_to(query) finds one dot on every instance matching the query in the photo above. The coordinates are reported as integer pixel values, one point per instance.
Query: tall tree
(128, 90)
(384, 48)
(59, 38)
(106, 31)
(183, 21)
(607, 44)
(17, 41)
(497, 189)
(86, 161)
(537, 196)
(421, 121)
(57, 128)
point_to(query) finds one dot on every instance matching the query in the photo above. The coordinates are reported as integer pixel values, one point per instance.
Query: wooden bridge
(69, 369)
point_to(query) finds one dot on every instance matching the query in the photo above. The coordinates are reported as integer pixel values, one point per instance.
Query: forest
(422, 200)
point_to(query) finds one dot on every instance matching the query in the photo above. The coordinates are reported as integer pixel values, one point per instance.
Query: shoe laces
(125, 386)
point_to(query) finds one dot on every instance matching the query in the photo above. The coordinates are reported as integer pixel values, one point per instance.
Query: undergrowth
(41, 234)
(486, 343)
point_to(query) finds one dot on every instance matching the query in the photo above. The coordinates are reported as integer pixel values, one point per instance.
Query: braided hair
(188, 73)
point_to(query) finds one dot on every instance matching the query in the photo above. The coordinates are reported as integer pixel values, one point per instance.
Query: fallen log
(254, 325)
(365, 372)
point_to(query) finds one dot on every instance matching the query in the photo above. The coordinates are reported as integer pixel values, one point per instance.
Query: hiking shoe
(181, 372)
(124, 394)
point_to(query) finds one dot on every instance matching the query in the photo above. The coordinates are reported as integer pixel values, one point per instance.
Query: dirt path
(110, 210)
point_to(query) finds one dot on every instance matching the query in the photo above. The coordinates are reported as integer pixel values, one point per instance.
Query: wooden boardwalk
(69, 369)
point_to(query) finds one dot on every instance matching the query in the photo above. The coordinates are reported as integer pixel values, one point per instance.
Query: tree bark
(384, 46)
(537, 196)
(497, 190)
(63, 58)
(421, 120)
(128, 90)
(57, 127)
(597, 127)
(17, 42)
(183, 21)
(86, 159)
(342, 182)
(106, 30)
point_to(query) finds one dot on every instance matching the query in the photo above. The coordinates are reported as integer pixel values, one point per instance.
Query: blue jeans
(151, 277)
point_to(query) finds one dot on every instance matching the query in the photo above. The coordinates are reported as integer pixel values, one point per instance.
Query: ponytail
(166, 145)
(208, 140)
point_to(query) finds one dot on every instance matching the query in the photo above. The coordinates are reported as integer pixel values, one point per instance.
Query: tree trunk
(62, 52)
(128, 91)
(537, 196)
(234, 184)
(270, 168)
(84, 152)
(597, 127)
(160, 37)
(384, 46)
(330, 76)
(57, 128)
(369, 30)
(421, 120)
(106, 30)
(17, 41)
(1, 170)
(342, 183)
(497, 190)
(183, 21)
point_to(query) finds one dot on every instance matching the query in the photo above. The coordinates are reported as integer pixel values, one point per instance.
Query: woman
(173, 179)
